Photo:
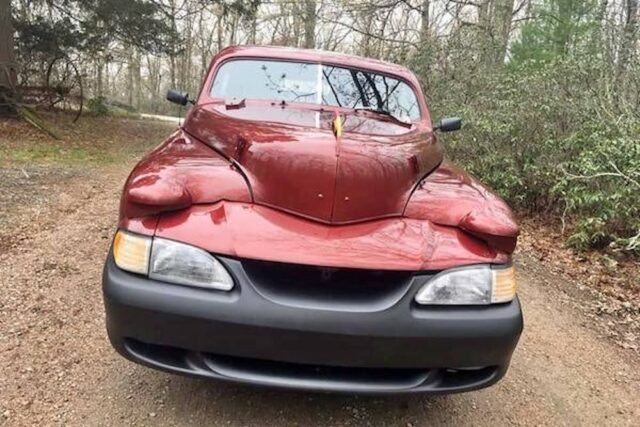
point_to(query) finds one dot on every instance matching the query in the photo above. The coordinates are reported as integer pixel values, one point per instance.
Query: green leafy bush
(101, 106)
(554, 137)
(98, 106)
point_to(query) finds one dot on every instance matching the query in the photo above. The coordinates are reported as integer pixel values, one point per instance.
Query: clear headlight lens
(169, 261)
(475, 285)
(187, 265)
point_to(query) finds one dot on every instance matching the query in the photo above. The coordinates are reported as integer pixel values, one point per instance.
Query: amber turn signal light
(131, 252)
(504, 285)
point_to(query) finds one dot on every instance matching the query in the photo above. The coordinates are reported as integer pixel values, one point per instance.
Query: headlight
(475, 285)
(169, 261)
(187, 265)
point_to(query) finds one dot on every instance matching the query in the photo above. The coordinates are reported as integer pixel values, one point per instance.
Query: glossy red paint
(273, 182)
(179, 173)
(308, 171)
(258, 232)
(449, 196)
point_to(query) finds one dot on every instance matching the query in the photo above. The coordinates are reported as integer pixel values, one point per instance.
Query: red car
(301, 229)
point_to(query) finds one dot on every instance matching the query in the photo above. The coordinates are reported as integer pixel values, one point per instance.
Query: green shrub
(101, 106)
(553, 138)
(98, 106)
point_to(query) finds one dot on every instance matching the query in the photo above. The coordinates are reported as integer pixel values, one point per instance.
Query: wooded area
(549, 89)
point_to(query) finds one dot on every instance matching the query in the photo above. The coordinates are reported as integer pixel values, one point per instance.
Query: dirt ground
(57, 367)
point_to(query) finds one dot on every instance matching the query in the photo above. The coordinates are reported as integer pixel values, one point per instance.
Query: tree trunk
(629, 39)
(205, 40)
(599, 37)
(172, 71)
(309, 24)
(220, 31)
(425, 33)
(253, 30)
(130, 72)
(8, 66)
(484, 14)
(184, 78)
(366, 43)
(99, 69)
(502, 29)
(155, 82)
(485, 31)
(106, 76)
(562, 32)
(137, 74)
(174, 47)
(233, 27)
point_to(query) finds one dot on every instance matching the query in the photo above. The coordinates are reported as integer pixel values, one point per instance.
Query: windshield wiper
(384, 113)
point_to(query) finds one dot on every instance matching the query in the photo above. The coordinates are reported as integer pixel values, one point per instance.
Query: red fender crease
(449, 196)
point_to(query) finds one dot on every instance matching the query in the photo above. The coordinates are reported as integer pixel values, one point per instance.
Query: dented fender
(449, 196)
(179, 173)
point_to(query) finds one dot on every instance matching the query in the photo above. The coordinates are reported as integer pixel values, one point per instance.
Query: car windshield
(316, 84)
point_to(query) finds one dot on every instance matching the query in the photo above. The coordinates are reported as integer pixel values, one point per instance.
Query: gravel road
(58, 368)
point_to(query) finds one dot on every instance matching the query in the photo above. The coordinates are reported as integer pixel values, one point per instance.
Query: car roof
(312, 55)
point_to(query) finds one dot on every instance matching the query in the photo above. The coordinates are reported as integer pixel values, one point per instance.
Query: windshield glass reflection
(316, 84)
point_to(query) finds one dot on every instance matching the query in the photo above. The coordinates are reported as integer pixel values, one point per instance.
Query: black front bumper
(247, 335)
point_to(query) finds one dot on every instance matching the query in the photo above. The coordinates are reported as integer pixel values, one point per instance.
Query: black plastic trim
(246, 325)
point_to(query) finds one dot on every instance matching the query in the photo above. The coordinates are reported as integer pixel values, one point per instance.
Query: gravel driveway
(59, 369)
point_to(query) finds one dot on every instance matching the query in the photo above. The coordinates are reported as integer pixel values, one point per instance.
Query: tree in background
(94, 33)
(8, 66)
(629, 39)
(309, 24)
(558, 28)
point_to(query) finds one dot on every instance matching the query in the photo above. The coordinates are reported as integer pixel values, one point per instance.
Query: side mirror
(449, 124)
(178, 97)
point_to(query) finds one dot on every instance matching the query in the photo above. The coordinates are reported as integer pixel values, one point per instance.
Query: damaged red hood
(294, 162)
(251, 231)
(188, 191)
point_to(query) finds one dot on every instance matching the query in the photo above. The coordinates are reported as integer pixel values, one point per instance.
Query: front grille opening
(287, 374)
(314, 284)
(270, 371)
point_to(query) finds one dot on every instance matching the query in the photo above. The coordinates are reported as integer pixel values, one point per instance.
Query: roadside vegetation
(556, 129)
(90, 142)
(101, 106)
